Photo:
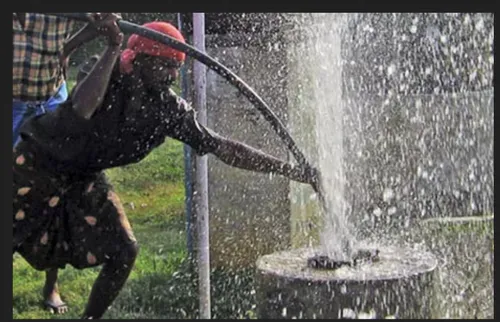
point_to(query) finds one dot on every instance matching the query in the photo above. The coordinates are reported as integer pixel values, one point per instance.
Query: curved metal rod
(217, 67)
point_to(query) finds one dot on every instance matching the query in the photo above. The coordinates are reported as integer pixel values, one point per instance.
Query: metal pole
(188, 166)
(201, 192)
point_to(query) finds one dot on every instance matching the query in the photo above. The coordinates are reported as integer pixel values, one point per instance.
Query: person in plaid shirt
(42, 45)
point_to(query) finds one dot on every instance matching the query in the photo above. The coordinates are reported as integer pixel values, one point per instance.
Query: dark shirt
(124, 130)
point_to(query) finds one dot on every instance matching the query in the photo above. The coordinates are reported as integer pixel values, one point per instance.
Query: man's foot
(54, 304)
(52, 299)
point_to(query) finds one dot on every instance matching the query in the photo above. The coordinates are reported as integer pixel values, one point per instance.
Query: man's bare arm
(89, 93)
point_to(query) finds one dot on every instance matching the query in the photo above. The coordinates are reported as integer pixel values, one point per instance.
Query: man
(65, 211)
(41, 50)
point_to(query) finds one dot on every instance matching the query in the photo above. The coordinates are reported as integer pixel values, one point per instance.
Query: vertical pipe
(201, 193)
(188, 169)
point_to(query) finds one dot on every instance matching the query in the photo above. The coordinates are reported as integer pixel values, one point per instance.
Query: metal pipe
(188, 167)
(201, 193)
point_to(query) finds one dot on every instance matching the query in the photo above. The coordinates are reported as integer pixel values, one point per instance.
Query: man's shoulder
(170, 97)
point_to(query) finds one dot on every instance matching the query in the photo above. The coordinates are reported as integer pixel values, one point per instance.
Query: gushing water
(408, 105)
(320, 60)
(337, 236)
(400, 107)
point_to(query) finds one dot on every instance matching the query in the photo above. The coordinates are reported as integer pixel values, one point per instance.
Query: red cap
(137, 44)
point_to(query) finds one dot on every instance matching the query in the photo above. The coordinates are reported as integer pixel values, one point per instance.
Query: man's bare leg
(110, 281)
(51, 296)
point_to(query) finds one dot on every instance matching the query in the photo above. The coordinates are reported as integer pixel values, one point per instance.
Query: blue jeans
(21, 111)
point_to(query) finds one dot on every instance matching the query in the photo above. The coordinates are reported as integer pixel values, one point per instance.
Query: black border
(179, 6)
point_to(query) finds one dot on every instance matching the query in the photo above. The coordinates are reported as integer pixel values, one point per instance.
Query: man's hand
(305, 174)
(311, 175)
(91, 30)
(105, 25)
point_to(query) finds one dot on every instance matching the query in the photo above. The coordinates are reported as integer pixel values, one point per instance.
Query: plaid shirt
(37, 71)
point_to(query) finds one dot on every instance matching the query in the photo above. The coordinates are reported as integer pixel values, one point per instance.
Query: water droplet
(388, 194)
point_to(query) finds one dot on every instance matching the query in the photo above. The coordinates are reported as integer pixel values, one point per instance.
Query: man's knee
(128, 252)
